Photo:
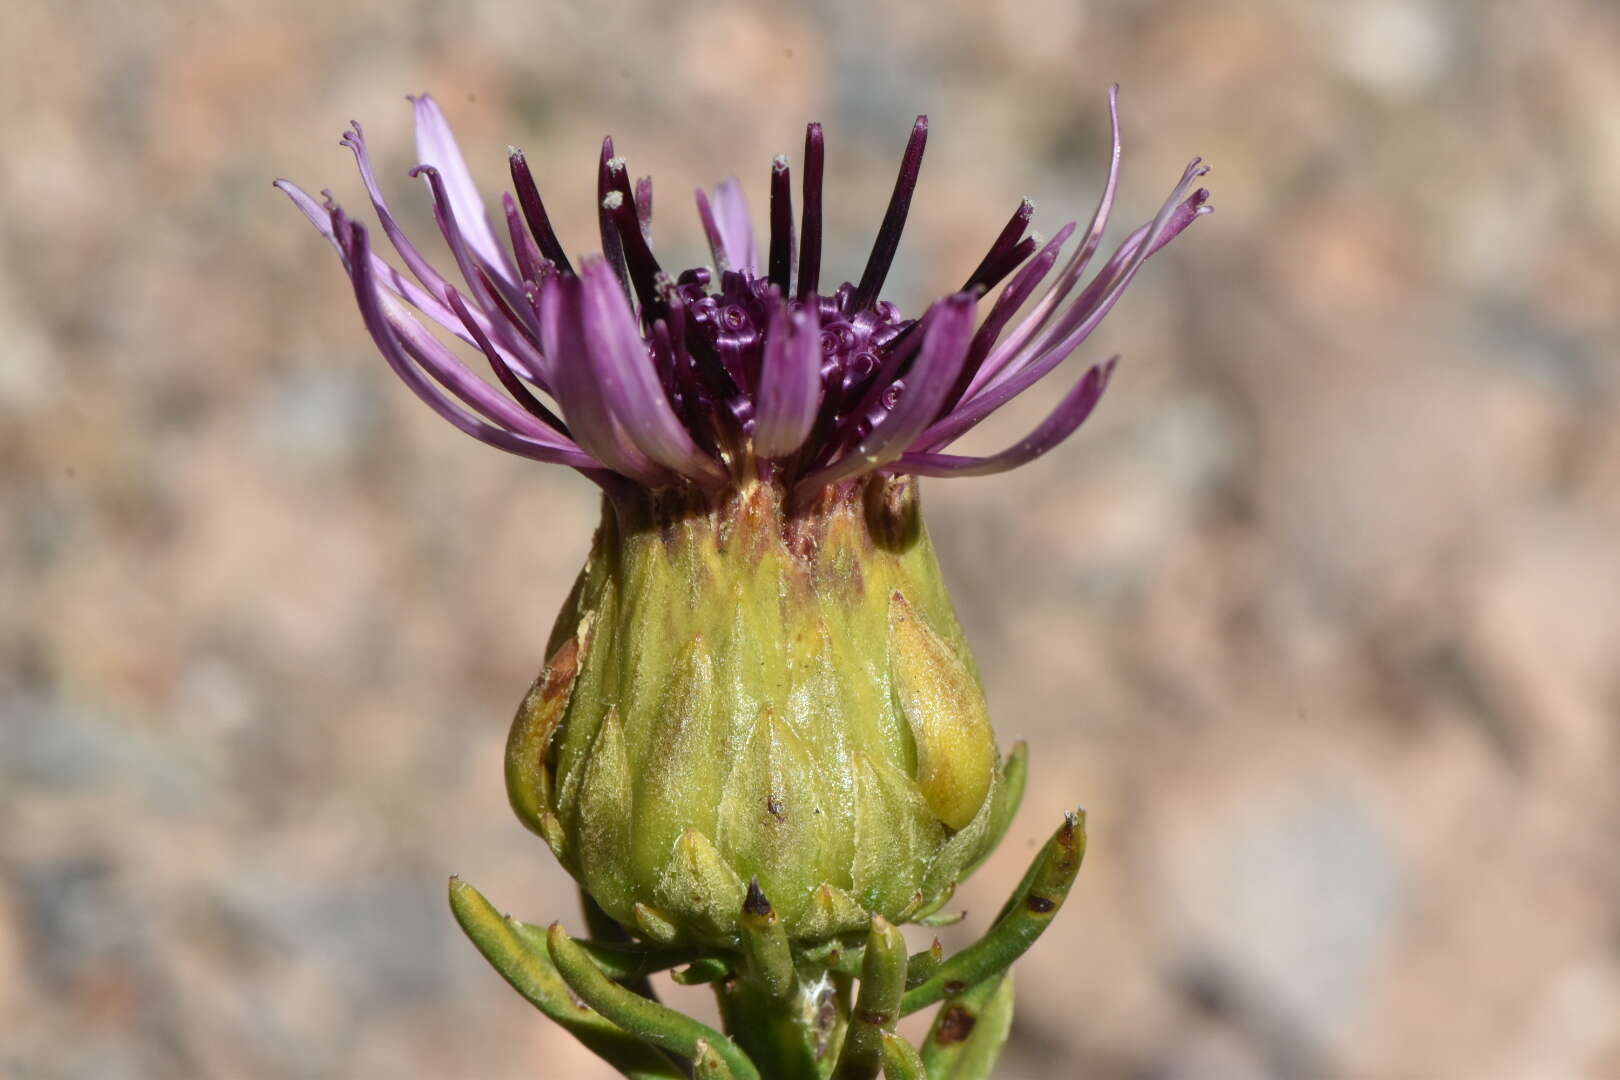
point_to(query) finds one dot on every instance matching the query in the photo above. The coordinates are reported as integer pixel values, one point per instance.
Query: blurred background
(1319, 616)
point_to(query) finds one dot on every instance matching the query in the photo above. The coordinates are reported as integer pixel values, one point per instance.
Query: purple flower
(711, 378)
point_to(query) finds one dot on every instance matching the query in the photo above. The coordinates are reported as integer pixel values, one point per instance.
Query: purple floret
(713, 379)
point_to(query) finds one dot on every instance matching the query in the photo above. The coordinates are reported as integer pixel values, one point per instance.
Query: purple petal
(947, 329)
(1188, 211)
(1007, 304)
(514, 332)
(321, 217)
(509, 380)
(1023, 371)
(460, 380)
(729, 228)
(711, 230)
(493, 287)
(371, 301)
(1176, 214)
(456, 377)
(736, 226)
(1071, 412)
(355, 140)
(1105, 203)
(630, 388)
(436, 146)
(529, 259)
(402, 286)
(520, 355)
(790, 382)
(1094, 301)
(566, 342)
(1072, 270)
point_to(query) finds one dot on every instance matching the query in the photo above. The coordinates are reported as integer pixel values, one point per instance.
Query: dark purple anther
(642, 266)
(534, 211)
(779, 267)
(810, 227)
(1021, 251)
(894, 219)
(607, 181)
(1005, 253)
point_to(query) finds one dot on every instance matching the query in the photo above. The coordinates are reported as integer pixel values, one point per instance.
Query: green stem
(785, 1038)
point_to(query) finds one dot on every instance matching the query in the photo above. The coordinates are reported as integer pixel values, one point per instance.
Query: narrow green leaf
(1028, 914)
(983, 1050)
(620, 962)
(969, 1032)
(883, 980)
(663, 1027)
(607, 930)
(922, 965)
(707, 1064)
(943, 918)
(702, 972)
(530, 972)
(900, 1060)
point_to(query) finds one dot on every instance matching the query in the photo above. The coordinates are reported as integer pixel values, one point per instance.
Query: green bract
(736, 692)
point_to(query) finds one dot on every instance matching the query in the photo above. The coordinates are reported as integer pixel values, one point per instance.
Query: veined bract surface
(736, 692)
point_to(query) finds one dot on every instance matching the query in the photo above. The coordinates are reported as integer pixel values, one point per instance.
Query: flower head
(710, 379)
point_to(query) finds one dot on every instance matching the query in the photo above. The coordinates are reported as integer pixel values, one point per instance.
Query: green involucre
(735, 692)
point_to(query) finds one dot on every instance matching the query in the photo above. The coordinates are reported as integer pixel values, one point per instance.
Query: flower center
(854, 345)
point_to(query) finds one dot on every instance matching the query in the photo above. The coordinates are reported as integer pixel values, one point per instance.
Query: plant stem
(796, 1038)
